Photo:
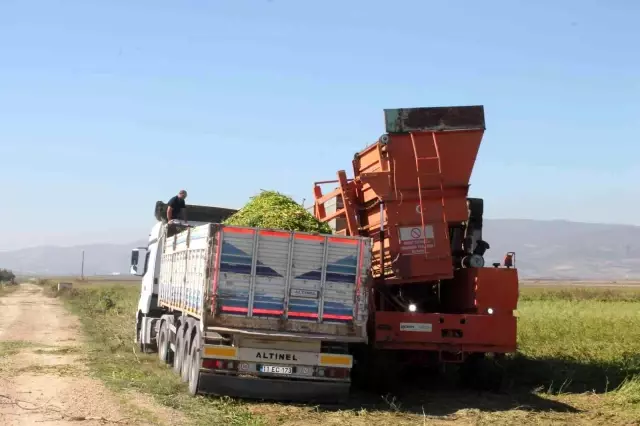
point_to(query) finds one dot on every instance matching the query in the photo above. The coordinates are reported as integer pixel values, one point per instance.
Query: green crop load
(270, 209)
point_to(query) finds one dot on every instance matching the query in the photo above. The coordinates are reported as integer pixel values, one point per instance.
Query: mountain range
(99, 259)
(544, 250)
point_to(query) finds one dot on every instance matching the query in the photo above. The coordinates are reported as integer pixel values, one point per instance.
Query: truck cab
(145, 261)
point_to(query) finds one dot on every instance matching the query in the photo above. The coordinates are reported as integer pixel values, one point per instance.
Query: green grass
(12, 347)
(573, 343)
(578, 342)
(6, 288)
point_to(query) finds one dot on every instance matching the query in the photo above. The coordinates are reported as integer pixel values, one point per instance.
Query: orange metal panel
(489, 333)
(478, 289)
(496, 288)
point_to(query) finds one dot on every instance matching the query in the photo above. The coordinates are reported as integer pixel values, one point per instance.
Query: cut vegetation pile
(273, 210)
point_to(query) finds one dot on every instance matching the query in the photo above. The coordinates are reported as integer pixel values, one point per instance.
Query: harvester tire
(481, 373)
(374, 372)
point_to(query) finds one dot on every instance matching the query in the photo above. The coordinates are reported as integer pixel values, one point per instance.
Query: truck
(433, 300)
(256, 313)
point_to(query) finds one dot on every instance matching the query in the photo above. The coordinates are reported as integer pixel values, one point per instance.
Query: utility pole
(82, 267)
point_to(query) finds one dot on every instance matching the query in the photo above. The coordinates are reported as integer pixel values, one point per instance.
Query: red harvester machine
(432, 299)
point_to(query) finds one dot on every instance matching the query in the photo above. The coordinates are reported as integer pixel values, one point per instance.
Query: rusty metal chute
(409, 188)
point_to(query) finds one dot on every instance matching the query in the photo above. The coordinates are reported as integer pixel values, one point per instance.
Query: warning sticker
(412, 239)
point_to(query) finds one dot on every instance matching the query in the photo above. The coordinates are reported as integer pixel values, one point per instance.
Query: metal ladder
(433, 167)
(346, 193)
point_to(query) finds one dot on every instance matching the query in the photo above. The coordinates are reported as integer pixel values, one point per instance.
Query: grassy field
(578, 363)
(6, 288)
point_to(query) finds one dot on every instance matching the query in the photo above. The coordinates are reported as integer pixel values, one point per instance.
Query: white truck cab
(145, 263)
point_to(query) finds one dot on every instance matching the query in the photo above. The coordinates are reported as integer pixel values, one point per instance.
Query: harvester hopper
(410, 191)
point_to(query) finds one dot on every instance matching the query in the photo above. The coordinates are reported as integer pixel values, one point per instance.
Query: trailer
(254, 313)
(433, 300)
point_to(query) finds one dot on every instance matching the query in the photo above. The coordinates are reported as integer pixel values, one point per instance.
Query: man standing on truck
(176, 207)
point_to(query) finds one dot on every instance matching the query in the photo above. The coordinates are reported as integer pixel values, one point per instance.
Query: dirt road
(43, 379)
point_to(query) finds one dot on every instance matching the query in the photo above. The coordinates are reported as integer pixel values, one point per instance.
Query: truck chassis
(210, 362)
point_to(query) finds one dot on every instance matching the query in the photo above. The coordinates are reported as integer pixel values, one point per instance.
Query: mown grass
(574, 343)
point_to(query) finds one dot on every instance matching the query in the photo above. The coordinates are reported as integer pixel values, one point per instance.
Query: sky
(108, 106)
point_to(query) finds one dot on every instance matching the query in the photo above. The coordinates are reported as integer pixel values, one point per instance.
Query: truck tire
(177, 359)
(164, 349)
(186, 357)
(191, 336)
(194, 367)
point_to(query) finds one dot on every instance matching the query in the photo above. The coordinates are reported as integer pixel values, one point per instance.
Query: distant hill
(99, 259)
(566, 250)
(544, 249)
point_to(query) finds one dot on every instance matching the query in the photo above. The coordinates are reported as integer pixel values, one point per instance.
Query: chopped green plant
(271, 209)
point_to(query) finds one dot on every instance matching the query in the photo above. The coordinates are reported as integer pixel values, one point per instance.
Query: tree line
(7, 276)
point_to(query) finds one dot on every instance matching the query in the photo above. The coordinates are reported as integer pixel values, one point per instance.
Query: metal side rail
(213, 332)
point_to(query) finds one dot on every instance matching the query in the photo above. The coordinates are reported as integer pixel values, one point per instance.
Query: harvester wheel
(375, 371)
(482, 373)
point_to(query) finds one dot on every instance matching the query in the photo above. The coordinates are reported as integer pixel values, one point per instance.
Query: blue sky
(108, 106)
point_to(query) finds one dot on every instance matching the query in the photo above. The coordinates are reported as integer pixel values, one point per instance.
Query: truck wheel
(164, 350)
(194, 370)
(177, 359)
(186, 359)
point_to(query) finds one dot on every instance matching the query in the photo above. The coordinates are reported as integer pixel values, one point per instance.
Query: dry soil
(43, 378)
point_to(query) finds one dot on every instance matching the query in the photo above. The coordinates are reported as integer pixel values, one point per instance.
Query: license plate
(276, 369)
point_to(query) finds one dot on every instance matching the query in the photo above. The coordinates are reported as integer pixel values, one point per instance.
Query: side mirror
(138, 258)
